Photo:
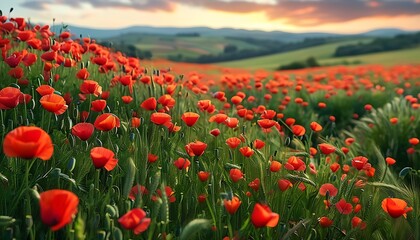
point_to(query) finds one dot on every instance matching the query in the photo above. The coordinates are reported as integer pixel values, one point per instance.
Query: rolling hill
(324, 55)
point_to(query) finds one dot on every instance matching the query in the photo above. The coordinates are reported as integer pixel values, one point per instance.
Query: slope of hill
(164, 46)
(206, 31)
(325, 56)
(275, 60)
(203, 31)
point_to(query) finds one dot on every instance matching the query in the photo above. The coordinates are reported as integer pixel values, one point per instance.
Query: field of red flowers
(97, 145)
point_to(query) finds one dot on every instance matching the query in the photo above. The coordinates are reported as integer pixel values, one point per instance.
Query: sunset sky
(337, 16)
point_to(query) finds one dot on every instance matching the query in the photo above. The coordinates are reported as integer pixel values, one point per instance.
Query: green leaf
(6, 220)
(300, 179)
(404, 172)
(129, 179)
(194, 227)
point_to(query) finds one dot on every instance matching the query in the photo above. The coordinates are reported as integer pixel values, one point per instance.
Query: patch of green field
(163, 46)
(273, 61)
(404, 56)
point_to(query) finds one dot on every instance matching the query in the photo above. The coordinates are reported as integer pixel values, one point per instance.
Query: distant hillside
(381, 44)
(324, 55)
(384, 32)
(222, 32)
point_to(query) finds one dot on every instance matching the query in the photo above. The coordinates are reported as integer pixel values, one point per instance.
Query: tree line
(379, 45)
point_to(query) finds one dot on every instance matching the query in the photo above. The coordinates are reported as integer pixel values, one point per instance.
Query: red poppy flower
(149, 104)
(258, 144)
(413, 141)
(262, 216)
(322, 105)
(357, 208)
(316, 127)
(29, 59)
(215, 132)
(298, 130)
(160, 118)
(232, 122)
(83, 130)
(275, 166)
(135, 220)
(202, 198)
(127, 99)
(328, 187)
(246, 151)
(344, 207)
(284, 184)
(14, 59)
(268, 114)
(167, 101)
(172, 127)
(255, 184)
(266, 123)
(182, 163)
(236, 100)
(9, 98)
(393, 120)
(105, 95)
(82, 74)
(235, 174)
(136, 191)
(170, 194)
(218, 118)
(25, 98)
(242, 112)
(232, 205)
(325, 222)
(233, 142)
(16, 73)
(91, 87)
(295, 163)
(98, 105)
(57, 208)
(395, 207)
(358, 222)
(135, 122)
(368, 107)
(151, 158)
(390, 161)
(84, 116)
(100, 60)
(106, 122)
(28, 143)
(290, 121)
(334, 167)
(103, 158)
(49, 56)
(190, 118)
(45, 90)
(360, 163)
(203, 176)
(196, 148)
(53, 103)
(146, 79)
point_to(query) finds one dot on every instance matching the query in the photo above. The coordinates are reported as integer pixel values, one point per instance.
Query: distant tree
(129, 49)
(192, 34)
(230, 48)
(312, 62)
(292, 66)
(379, 45)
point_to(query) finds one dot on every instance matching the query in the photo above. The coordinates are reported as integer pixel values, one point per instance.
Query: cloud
(295, 12)
(145, 5)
